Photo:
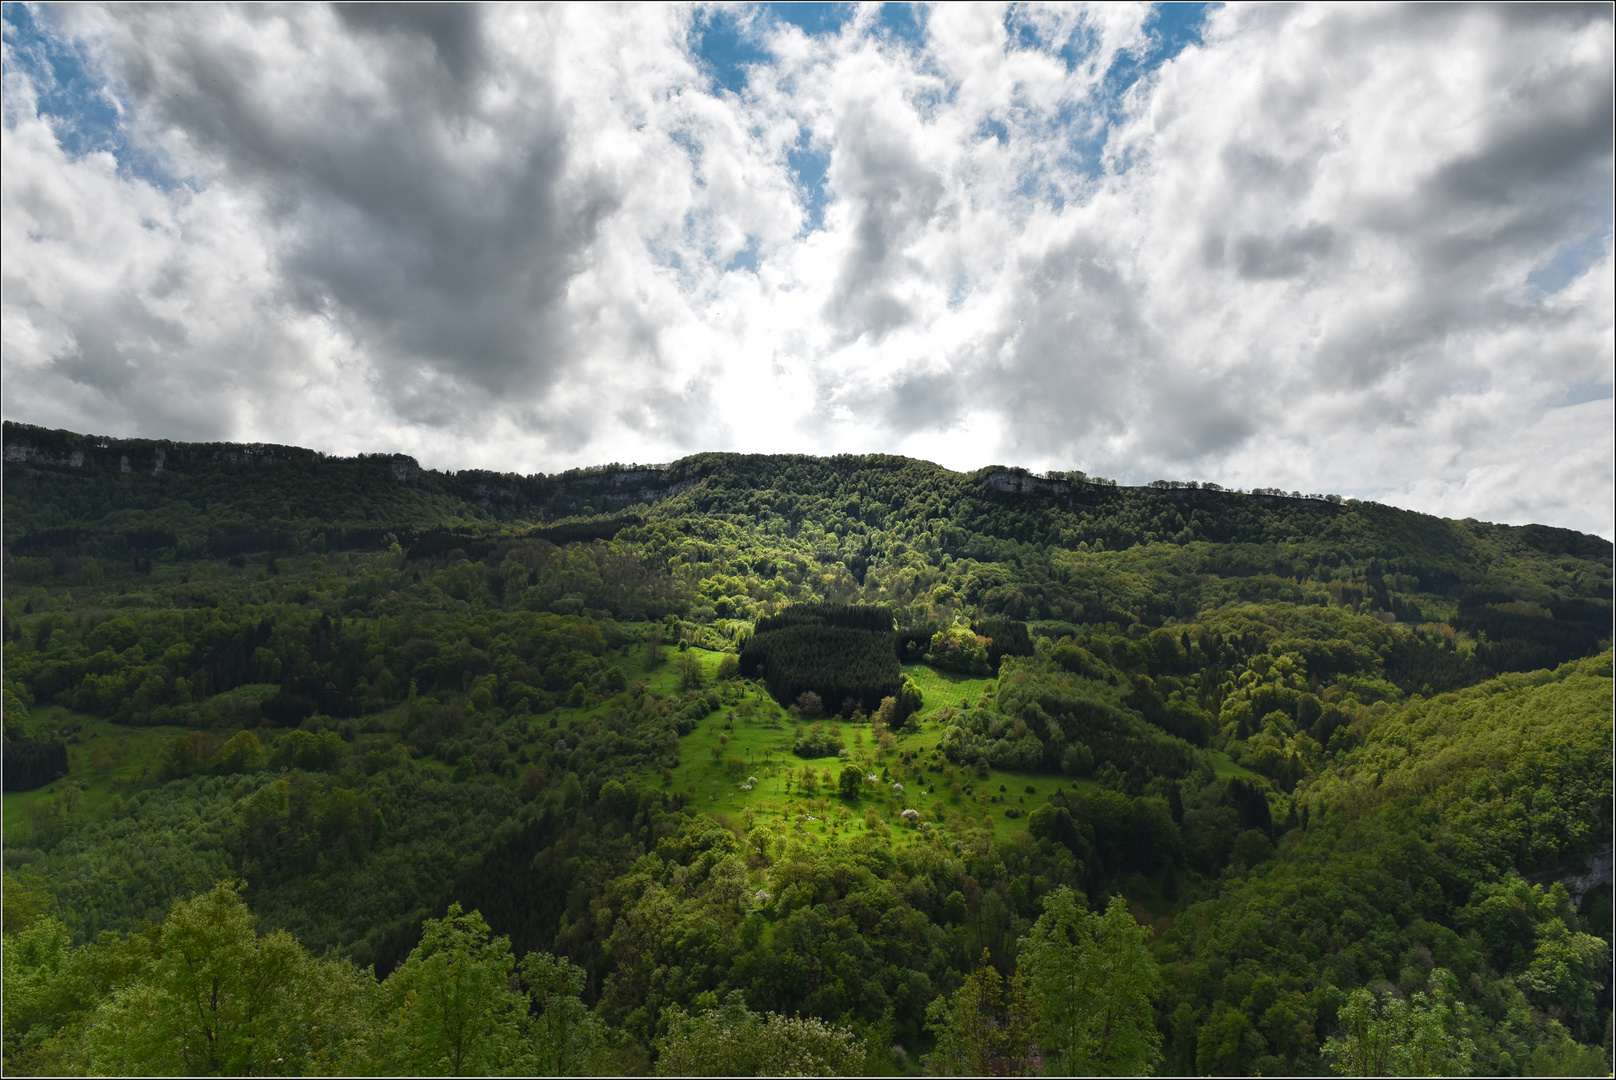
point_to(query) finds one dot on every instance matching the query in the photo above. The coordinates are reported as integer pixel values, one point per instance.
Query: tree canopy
(754, 765)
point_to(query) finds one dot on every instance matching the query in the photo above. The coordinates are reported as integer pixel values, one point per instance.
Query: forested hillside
(751, 765)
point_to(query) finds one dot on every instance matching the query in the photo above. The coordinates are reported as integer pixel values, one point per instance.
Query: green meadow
(739, 766)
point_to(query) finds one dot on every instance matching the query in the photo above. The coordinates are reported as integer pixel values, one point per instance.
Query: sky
(1355, 249)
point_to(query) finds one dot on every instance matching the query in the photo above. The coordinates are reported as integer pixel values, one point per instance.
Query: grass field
(1225, 767)
(738, 764)
(103, 760)
(944, 690)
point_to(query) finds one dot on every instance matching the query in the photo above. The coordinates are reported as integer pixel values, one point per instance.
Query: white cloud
(1300, 254)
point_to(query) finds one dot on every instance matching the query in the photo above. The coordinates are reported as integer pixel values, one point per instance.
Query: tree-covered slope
(1314, 746)
(1417, 851)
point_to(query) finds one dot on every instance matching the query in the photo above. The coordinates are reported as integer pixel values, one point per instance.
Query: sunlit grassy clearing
(1225, 767)
(742, 768)
(103, 759)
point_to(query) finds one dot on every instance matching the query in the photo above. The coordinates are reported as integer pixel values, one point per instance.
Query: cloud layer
(1355, 249)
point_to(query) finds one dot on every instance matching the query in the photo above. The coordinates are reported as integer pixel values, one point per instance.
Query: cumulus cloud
(1354, 249)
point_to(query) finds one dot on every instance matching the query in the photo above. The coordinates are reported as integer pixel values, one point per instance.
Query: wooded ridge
(747, 765)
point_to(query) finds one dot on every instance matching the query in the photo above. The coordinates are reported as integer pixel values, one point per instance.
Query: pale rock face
(1599, 872)
(1012, 483)
(23, 453)
(627, 486)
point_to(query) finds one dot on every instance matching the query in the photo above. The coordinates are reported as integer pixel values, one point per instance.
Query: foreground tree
(219, 999)
(449, 1008)
(984, 1028)
(1091, 980)
(566, 1039)
(1383, 1035)
(731, 1040)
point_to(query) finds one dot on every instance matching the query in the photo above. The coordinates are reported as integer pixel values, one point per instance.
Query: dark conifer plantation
(840, 652)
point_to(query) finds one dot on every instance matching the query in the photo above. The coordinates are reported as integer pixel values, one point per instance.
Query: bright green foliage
(1567, 969)
(303, 750)
(1092, 983)
(691, 676)
(205, 994)
(851, 781)
(32, 957)
(242, 752)
(1559, 1055)
(217, 998)
(959, 648)
(1383, 1035)
(818, 741)
(565, 1039)
(984, 1028)
(449, 1010)
(1407, 862)
(731, 1040)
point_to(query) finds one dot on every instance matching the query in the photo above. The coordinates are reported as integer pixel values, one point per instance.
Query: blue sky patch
(746, 258)
(1569, 262)
(74, 94)
(902, 22)
(727, 43)
(1170, 29)
(813, 19)
(809, 165)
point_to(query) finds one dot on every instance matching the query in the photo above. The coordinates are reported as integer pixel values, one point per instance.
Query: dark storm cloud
(453, 30)
(1283, 256)
(430, 219)
(922, 401)
(891, 195)
(1073, 372)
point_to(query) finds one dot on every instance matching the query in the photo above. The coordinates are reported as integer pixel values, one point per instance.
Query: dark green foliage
(874, 618)
(851, 782)
(1041, 711)
(817, 742)
(1419, 665)
(1521, 636)
(32, 763)
(1116, 835)
(155, 667)
(911, 642)
(1006, 638)
(1249, 801)
(834, 662)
